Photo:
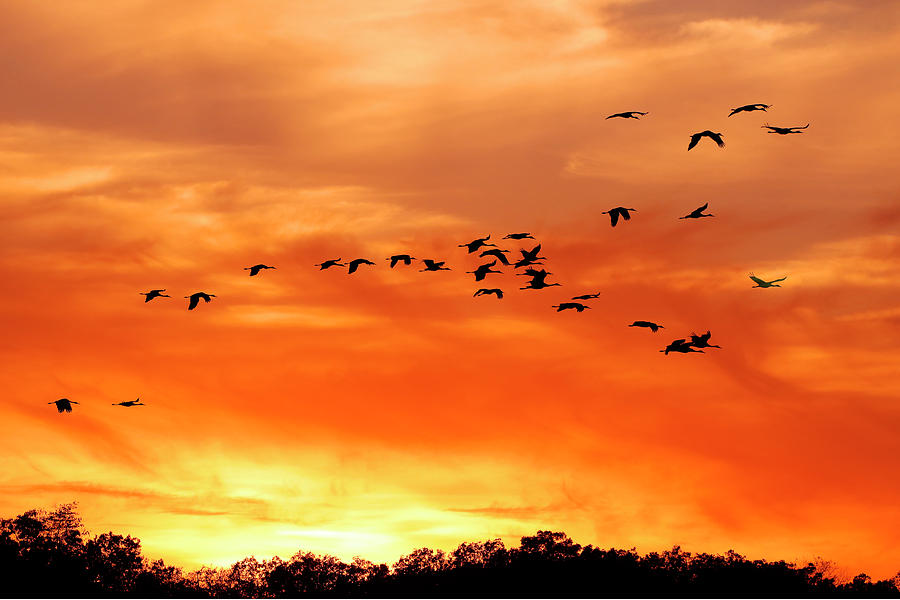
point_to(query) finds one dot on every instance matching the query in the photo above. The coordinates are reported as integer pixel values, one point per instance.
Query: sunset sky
(170, 144)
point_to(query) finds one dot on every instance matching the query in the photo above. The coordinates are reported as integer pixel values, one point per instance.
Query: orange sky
(165, 144)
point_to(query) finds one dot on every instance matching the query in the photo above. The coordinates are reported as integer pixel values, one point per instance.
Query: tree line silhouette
(48, 554)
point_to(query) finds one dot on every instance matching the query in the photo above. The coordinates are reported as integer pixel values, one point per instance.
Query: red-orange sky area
(169, 145)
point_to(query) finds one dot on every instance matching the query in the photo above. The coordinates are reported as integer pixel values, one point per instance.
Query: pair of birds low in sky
(624, 213)
(64, 405)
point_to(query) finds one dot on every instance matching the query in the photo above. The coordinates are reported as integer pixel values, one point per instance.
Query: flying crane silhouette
(784, 130)
(195, 299)
(716, 137)
(434, 265)
(570, 305)
(63, 405)
(356, 262)
(154, 294)
(531, 256)
(628, 114)
(654, 327)
(482, 271)
(130, 403)
(749, 108)
(487, 291)
(765, 284)
(697, 213)
(518, 236)
(586, 296)
(681, 345)
(498, 254)
(405, 258)
(702, 341)
(255, 269)
(476, 244)
(330, 263)
(615, 213)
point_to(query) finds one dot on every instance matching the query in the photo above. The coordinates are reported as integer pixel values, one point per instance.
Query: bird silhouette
(487, 291)
(255, 269)
(702, 341)
(130, 403)
(654, 327)
(614, 214)
(716, 137)
(697, 213)
(476, 244)
(784, 130)
(154, 294)
(567, 305)
(195, 299)
(538, 284)
(680, 346)
(405, 258)
(434, 265)
(330, 263)
(586, 296)
(63, 405)
(354, 264)
(765, 284)
(518, 236)
(482, 271)
(531, 256)
(535, 273)
(748, 108)
(628, 115)
(498, 254)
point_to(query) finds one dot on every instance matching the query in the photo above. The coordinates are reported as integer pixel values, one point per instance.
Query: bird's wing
(353, 266)
(193, 303)
(777, 280)
(613, 217)
(625, 214)
(757, 279)
(702, 208)
(718, 140)
(694, 140)
(804, 127)
(615, 115)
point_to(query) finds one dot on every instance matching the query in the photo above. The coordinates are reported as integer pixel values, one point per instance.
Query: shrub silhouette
(48, 554)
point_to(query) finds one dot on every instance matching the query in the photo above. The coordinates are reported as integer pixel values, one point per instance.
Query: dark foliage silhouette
(48, 554)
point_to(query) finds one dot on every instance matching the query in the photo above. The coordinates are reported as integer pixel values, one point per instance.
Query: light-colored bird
(255, 269)
(628, 115)
(154, 294)
(716, 137)
(615, 213)
(749, 107)
(63, 405)
(434, 265)
(784, 130)
(654, 327)
(195, 299)
(765, 284)
(487, 291)
(130, 403)
(697, 213)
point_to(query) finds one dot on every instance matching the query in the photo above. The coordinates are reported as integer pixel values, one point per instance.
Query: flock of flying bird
(529, 261)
